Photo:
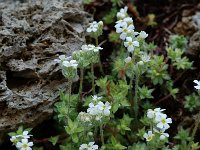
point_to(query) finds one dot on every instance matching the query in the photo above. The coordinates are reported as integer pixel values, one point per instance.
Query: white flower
(154, 113)
(71, 63)
(62, 58)
(90, 47)
(130, 44)
(13, 139)
(125, 30)
(24, 145)
(97, 48)
(148, 136)
(93, 110)
(121, 23)
(93, 27)
(143, 34)
(104, 108)
(198, 84)
(128, 59)
(89, 146)
(145, 58)
(84, 117)
(163, 136)
(123, 13)
(24, 135)
(163, 121)
(96, 98)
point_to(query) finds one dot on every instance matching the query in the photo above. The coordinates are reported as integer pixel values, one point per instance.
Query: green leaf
(54, 140)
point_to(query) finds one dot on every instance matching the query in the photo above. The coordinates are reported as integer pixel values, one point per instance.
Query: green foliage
(177, 60)
(54, 140)
(158, 70)
(124, 124)
(73, 130)
(192, 102)
(110, 16)
(178, 41)
(114, 145)
(145, 93)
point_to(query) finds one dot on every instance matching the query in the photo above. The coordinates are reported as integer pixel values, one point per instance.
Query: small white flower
(93, 27)
(62, 58)
(24, 145)
(198, 84)
(104, 108)
(24, 135)
(123, 13)
(93, 110)
(121, 23)
(130, 44)
(128, 59)
(84, 117)
(143, 34)
(96, 98)
(164, 136)
(161, 133)
(97, 48)
(13, 139)
(154, 113)
(89, 146)
(71, 63)
(148, 136)
(145, 58)
(163, 121)
(126, 30)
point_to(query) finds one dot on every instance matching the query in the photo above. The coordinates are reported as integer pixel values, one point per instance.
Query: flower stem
(69, 98)
(101, 132)
(197, 122)
(92, 72)
(81, 84)
(100, 65)
(136, 107)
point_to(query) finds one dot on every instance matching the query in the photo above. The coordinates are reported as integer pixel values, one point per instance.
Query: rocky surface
(190, 26)
(32, 35)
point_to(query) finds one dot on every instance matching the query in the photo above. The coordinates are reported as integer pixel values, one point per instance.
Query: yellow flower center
(129, 43)
(125, 30)
(24, 145)
(149, 138)
(163, 121)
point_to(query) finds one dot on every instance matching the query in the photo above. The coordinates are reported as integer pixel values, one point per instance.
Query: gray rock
(32, 35)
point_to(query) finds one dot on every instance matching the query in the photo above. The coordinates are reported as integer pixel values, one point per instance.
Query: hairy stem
(197, 122)
(100, 65)
(81, 84)
(136, 105)
(101, 132)
(69, 98)
(92, 72)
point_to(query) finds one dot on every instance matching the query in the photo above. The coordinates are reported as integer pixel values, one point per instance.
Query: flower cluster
(159, 124)
(124, 26)
(98, 109)
(89, 54)
(68, 66)
(89, 146)
(21, 141)
(95, 29)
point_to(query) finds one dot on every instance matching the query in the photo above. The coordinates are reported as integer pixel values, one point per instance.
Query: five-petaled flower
(130, 44)
(24, 145)
(148, 136)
